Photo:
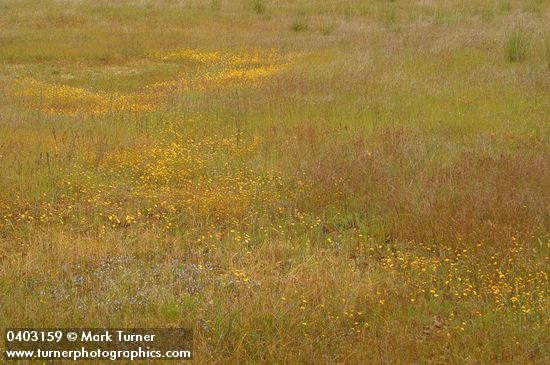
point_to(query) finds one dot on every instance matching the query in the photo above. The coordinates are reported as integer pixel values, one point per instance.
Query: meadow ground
(349, 182)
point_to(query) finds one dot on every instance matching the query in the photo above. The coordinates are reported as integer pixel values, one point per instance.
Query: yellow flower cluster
(217, 70)
(239, 76)
(69, 100)
(223, 69)
(183, 170)
(243, 58)
(506, 282)
(191, 55)
(184, 180)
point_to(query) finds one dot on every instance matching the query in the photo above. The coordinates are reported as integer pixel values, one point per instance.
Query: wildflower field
(298, 181)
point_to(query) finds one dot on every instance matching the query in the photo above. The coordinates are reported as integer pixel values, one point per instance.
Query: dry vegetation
(355, 182)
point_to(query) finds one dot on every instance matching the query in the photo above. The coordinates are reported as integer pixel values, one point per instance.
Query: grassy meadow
(298, 181)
